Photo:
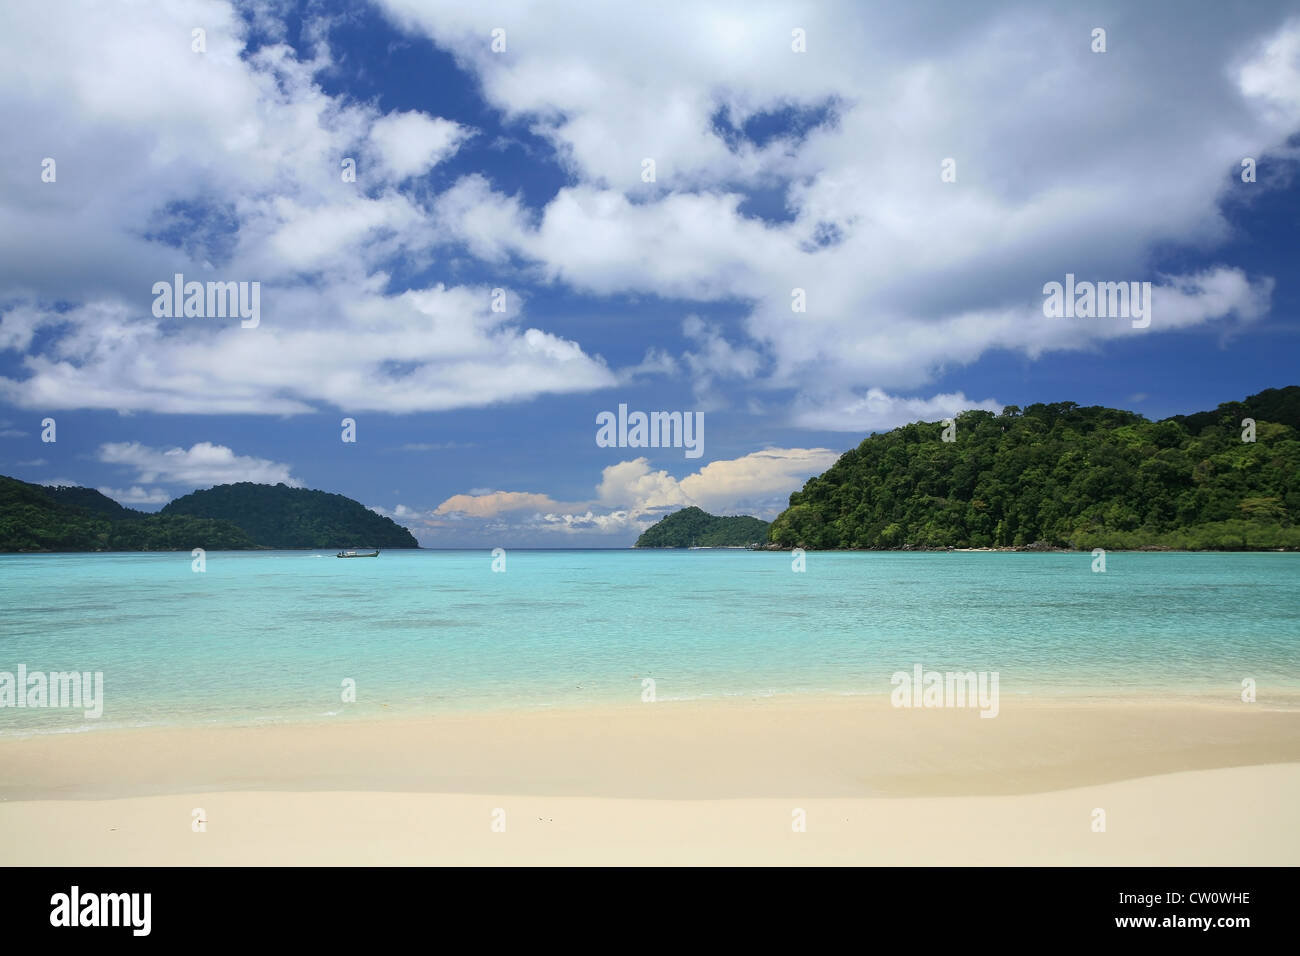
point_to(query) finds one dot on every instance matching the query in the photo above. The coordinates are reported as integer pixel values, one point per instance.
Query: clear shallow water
(272, 635)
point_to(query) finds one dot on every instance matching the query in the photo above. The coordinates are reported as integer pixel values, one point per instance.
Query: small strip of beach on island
(782, 780)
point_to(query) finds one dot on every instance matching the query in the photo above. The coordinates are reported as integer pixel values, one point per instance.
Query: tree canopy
(696, 527)
(225, 518)
(277, 516)
(34, 518)
(1070, 476)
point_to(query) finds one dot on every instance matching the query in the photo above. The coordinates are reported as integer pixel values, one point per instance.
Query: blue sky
(522, 169)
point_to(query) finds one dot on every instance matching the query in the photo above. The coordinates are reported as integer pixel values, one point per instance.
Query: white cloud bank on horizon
(630, 497)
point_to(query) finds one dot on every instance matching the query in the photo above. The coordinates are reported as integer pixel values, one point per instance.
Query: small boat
(354, 553)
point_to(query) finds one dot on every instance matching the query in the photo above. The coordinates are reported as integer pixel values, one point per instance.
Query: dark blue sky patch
(204, 231)
(771, 204)
(394, 369)
(825, 235)
(791, 122)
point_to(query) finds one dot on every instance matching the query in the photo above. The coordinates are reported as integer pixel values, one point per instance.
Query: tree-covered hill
(695, 527)
(225, 518)
(90, 500)
(1069, 476)
(277, 516)
(1281, 405)
(33, 519)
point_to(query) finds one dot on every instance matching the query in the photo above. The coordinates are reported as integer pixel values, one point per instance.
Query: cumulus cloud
(631, 495)
(230, 170)
(1271, 78)
(757, 483)
(1067, 161)
(429, 350)
(412, 143)
(199, 466)
(633, 485)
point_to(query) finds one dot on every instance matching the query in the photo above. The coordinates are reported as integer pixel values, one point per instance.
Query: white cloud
(434, 349)
(631, 496)
(612, 523)
(758, 483)
(876, 411)
(655, 362)
(239, 156)
(488, 222)
(412, 143)
(136, 495)
(715, 358)
(493, 503)
(201, 465)
(1066, 161)
(1271, 79)
(632, 485)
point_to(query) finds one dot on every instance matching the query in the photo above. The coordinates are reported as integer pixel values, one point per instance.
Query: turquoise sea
(272, 636)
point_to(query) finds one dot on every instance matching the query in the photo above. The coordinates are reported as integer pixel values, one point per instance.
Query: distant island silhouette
(694, 527)
(240, 516)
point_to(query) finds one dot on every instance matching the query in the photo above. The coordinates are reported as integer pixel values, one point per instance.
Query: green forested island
(36, 518)
(693, 527)
(225, 518)
(277, 516)
(1061, 475)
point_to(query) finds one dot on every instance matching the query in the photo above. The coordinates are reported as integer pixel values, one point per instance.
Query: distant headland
(241, 516)
(696, 528)
(1061, 476)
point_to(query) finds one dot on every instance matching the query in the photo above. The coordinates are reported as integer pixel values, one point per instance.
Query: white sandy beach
(1240, 816)
(685, 783)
